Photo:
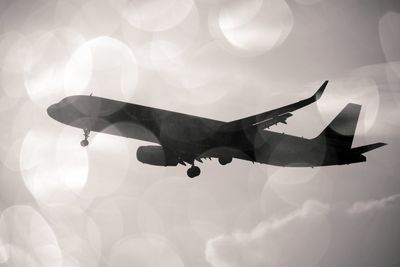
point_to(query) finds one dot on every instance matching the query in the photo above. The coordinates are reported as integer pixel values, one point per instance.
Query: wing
(275, 116)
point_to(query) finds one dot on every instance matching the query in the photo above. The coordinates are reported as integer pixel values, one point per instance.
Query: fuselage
(191, 136)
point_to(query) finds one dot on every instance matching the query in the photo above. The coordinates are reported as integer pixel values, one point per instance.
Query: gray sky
(62, 205)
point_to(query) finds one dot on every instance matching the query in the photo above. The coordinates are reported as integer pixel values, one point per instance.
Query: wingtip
(321, 90)
(323, 86)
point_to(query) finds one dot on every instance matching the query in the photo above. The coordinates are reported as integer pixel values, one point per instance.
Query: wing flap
(274, 121)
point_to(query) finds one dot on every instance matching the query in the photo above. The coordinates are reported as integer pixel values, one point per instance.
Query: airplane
(187, 139)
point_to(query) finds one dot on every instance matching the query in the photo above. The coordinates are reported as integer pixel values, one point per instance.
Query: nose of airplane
(51, 111)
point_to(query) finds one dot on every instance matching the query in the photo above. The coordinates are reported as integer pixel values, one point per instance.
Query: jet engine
(155, 155)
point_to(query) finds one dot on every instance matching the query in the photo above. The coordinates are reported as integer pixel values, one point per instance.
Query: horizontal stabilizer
(364, 149)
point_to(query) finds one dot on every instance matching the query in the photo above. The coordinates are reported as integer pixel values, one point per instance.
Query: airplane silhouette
(184, 139)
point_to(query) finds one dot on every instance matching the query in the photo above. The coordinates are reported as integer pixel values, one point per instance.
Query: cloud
(277, 242)
(362, 207)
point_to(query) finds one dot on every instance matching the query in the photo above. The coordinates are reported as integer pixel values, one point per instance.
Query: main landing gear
(193, 171)
(85, 141)
(224, 160)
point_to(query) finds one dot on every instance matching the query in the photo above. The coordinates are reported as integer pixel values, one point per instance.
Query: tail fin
(341, 130)
(364, 149)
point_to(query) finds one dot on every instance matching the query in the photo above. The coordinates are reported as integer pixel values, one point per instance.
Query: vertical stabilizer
(341, 130)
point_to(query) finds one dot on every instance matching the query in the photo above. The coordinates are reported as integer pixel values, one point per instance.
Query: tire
(84, 143)
(193, 171)
(224, 160)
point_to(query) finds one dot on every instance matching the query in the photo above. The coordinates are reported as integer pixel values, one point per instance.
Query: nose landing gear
(85, 141)
(193, 171)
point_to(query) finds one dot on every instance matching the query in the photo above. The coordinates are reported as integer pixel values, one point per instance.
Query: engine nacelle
(155, 155)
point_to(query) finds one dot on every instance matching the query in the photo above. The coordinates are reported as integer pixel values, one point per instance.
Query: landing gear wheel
(224, 160)
(193, 171)
(84, 143)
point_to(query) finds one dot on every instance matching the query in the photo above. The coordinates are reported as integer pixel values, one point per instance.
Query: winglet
(320, 91)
